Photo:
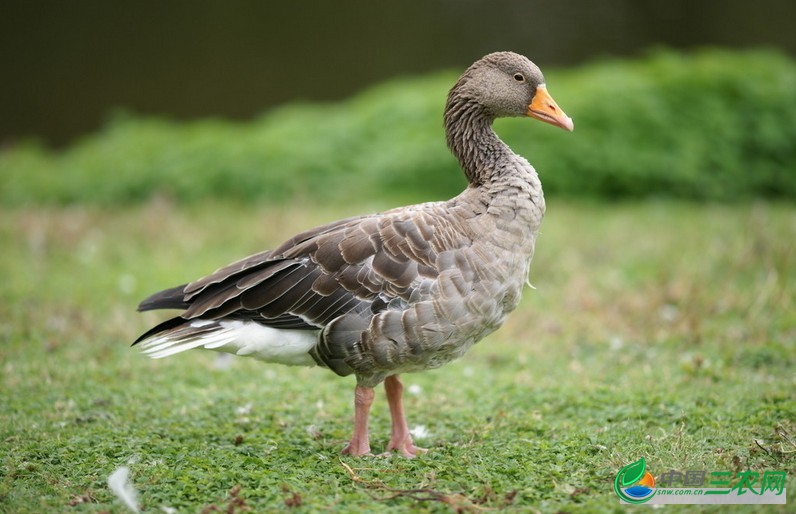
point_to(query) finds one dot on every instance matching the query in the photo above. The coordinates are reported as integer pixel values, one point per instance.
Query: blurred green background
(712, 125)
(257, 101)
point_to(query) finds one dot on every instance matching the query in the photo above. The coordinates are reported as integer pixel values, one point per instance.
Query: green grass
(661, 330)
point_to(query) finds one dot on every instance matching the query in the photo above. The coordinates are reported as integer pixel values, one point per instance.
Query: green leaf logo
(632, 473)
(628, 476)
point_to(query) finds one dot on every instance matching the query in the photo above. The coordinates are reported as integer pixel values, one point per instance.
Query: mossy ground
(657, 330)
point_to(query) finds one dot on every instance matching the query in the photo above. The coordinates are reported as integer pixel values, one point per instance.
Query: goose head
(506, 84)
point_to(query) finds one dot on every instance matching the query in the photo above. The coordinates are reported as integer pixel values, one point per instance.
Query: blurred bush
(713, 125)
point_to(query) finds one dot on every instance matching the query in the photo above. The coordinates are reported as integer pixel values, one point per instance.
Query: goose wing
(346, 272)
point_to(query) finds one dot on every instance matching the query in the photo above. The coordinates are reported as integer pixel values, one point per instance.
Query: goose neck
(472, 140)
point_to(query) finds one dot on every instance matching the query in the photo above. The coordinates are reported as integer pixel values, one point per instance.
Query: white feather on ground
(121, 486)
(419, 432)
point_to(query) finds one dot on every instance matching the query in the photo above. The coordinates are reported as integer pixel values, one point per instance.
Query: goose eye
(518, 77)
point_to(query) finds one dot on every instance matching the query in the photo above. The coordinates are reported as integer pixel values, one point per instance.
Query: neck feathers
(468, 128)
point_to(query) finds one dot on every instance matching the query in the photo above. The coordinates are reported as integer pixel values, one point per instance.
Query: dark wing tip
(162, 327)
(173, 298)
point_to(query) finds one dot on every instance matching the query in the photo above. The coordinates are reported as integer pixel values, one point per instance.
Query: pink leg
(360, 445)
(400, 438)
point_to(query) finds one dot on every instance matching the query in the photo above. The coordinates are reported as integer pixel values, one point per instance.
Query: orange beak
(544, 108)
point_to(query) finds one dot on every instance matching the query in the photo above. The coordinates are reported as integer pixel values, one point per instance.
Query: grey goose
(400, 291)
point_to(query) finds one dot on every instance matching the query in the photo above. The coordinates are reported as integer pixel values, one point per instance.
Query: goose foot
(405, 447)
(357, 449)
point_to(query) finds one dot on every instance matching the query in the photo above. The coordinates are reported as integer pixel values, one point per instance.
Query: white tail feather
(245, 338)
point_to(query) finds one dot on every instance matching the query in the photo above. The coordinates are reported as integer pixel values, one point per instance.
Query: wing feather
(343, 276)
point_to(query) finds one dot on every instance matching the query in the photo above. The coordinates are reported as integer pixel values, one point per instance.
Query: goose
(400, 291)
